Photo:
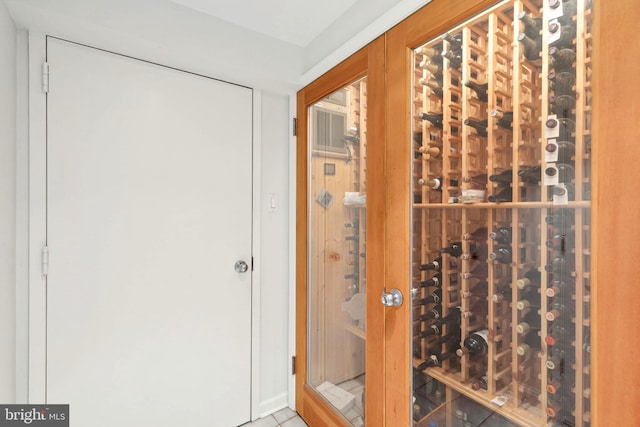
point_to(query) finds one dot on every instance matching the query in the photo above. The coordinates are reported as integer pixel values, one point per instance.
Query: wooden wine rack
(521, 388)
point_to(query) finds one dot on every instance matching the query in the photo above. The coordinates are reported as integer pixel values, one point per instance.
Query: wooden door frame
(369, 62)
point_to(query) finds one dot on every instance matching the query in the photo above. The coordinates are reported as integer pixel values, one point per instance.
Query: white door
(149, 174)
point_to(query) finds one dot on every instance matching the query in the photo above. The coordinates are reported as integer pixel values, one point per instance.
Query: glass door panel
(336, 283)
(501, 218)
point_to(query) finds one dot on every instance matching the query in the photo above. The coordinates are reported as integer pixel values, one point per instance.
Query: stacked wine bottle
(501, 133)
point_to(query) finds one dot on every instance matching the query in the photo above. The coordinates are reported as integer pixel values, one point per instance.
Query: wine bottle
(562, 59)
(354, 237)
(434, 298)
(503, 195)
(560, 266)
(562, 83)
(477, 181)
(532, 26)
(561, 242)
(559, 360)
(478, 235)
(567, 127)
(567, 35)
(476, 344)
(530, 322)
(502, 255)
(556, 289)
(558, 310)
(432, 330)
(560, 335)
(531, 278)
(430, 52)
(562, 105)
(531, 342)
(501, 235)
(454, 249)
(561, 217)
(568, 191)
(504, 119)
(455, 42)
(435, 70)
(502, 294)
(433, 118)
(434, 313)
(453, 316)
(479, 290)
(432, 183)
(353, 276)
(434, 86)
(452, 336)
(566, 172)
(532, 47)
(530, 174)
(435, 360)
(569, 9)
(479, 89)
(480, 126)
(454, 57)
(529, 299)
(436, 265)
(435, 281)
(565, 150)
(504, 178)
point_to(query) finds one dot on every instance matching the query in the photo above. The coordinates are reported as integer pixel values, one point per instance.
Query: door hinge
(45, 261)
(295, 126)
(45, 77)
(293, 365)
(251, 263)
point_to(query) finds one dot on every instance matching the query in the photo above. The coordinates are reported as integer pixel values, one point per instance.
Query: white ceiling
(293, 21)
(276, 44)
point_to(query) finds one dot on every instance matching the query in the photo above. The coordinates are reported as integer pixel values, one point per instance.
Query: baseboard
(272, 405)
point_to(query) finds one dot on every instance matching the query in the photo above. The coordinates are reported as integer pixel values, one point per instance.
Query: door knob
(392, 298)
(241, 267)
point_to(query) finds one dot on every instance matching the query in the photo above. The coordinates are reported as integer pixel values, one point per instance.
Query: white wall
(274, 265)
(7, 205)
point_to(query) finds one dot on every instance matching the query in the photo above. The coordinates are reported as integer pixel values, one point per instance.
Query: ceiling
(291, 41)
(293, 21)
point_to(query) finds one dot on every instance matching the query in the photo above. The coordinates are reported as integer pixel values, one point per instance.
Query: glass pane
(501, 190)
(337, 248)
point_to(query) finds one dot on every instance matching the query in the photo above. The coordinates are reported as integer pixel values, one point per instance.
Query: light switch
(273, 202)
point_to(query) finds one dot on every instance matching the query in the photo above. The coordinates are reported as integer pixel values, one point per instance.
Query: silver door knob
(392, 298)
(241, 267)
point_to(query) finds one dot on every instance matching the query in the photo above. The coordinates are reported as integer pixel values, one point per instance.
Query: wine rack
(501, 215)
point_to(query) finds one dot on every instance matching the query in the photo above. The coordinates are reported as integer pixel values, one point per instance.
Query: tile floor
(288, 418)
(283, 418)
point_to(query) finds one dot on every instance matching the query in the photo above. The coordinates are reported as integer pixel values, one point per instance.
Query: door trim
(31, 229)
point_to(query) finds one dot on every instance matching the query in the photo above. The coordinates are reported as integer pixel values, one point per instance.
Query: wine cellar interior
(501, 216)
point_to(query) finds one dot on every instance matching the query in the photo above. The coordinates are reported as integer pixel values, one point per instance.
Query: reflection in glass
(337, 249)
